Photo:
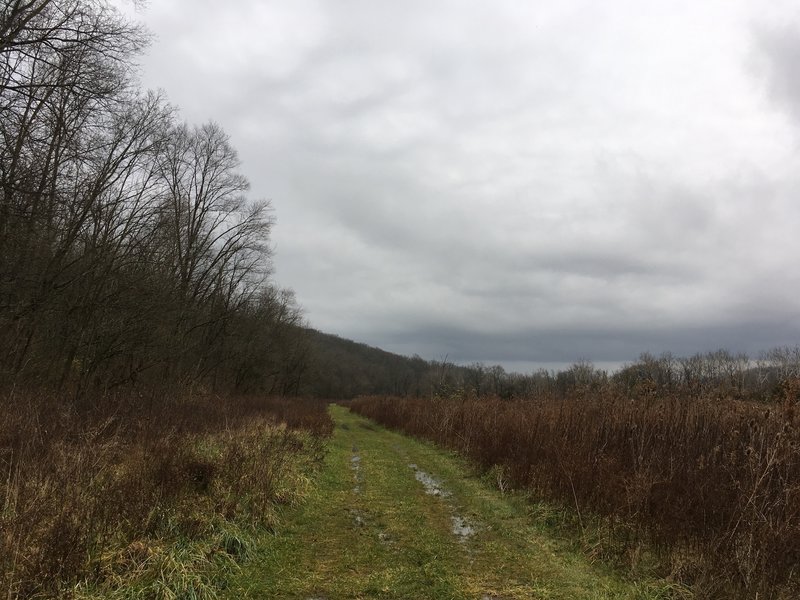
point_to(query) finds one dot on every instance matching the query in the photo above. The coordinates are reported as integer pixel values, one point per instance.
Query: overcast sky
(512, 182)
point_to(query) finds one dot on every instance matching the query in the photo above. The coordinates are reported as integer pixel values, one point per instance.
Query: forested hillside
(131, 251)
(341, 368)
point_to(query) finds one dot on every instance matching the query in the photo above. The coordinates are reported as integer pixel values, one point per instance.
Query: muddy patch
(358, 519)
(358, 484)
(358, 476)
(432, 485)
(461, 528)
(459, 525)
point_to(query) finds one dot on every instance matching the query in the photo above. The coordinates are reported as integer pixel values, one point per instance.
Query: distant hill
(342, 368)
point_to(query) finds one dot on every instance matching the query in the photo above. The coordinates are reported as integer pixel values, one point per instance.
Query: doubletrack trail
(391, 517)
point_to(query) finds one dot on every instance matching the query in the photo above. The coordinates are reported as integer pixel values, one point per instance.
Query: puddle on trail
(461, 528)
(358, 480)
(355, 465)
(432, 485)
(358, 520)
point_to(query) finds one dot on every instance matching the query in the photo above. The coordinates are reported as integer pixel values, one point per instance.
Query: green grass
(206, 535)
(390, 539)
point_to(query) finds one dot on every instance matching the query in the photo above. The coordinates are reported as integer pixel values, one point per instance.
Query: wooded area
(131, 251)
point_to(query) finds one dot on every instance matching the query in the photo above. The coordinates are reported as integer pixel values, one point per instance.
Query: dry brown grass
(98, 495)
(713, 486)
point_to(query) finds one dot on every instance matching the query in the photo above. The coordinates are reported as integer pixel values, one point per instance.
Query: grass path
(371, 529)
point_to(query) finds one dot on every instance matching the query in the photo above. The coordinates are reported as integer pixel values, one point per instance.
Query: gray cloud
(778, 60)
(509, 182)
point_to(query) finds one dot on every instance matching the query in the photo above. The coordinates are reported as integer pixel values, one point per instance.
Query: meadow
(709, 484)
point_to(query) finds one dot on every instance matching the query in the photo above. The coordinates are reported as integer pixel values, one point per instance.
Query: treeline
(130, 251)
(341, 369)
(720, 374)
(338, 368)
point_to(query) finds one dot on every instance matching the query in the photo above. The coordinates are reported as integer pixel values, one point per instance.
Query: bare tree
(64, 74)
(126, 240)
